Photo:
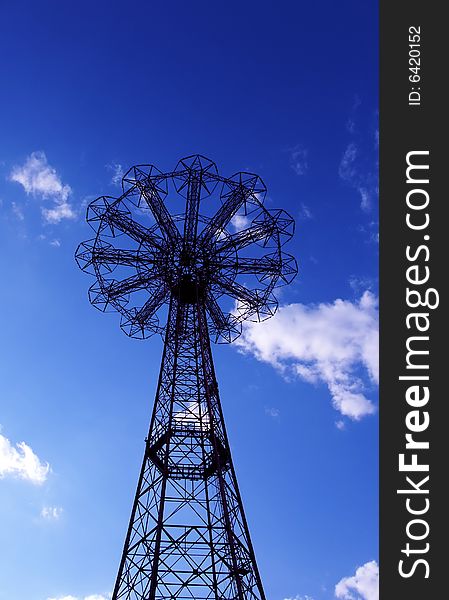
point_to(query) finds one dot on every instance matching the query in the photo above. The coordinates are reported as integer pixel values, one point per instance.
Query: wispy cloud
(364, 585)
(370, 232)
(297, 597)
(272, 412)
(350, 125)
(117, 173)
(347, 169)
(17, 211)
(360, 284)
(299, 159)
(362, 180)
(335, 344)
(21, 462)
(52, 513)
(40, 180)
(304, 212)
(359, 162)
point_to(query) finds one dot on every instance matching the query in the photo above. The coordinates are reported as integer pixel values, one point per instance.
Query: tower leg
(188, 537)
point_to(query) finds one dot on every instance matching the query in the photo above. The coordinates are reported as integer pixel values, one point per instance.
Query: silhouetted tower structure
(187, 536)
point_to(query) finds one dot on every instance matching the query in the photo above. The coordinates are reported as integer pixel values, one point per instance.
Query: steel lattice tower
(187, 536)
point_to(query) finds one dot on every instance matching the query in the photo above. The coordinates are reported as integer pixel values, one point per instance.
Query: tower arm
(225, 213)
(159, 210)
(137, 232)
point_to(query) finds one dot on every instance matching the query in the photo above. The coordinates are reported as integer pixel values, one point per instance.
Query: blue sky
(285, 90)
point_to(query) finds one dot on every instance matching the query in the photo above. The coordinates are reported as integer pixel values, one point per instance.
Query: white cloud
(364, 585)
(240, 222)
(56, 243)
(21, 462)
(192, 414)
(336, 344)
(298, 159)
(52, 513)
(117, 173)
(58, 213)
(299, 598)
(40, 180)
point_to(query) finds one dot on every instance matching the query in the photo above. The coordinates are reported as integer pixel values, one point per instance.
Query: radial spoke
(125, 258)
(159, 210)
(192, 207)
(136, 231)
(245, 237)
(225, 213)
(131, 284)
(215, 312)
(152, 304)
(266, 265)
(238, 291)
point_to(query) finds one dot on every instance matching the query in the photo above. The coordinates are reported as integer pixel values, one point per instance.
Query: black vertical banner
(414, 247)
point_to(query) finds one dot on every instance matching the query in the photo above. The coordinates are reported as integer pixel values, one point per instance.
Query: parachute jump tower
(201, 253)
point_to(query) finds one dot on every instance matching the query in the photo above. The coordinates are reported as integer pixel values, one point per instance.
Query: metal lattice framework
(208, 271)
